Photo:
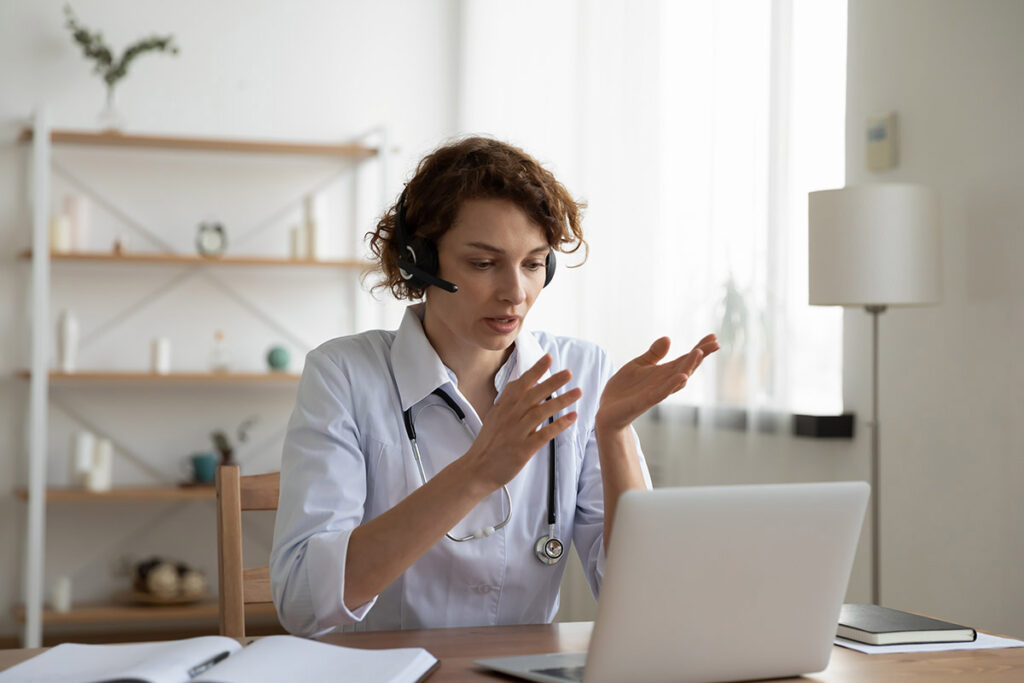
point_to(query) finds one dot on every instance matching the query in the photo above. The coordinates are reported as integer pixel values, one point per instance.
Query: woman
(393, 514)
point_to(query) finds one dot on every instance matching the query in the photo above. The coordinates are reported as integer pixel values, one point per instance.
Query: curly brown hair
(473, 168)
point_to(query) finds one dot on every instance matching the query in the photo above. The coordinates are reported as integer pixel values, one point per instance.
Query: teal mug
(204, 468)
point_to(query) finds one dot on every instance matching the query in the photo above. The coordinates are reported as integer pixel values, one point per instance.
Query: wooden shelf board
(114, 139)
(97, 613)
(121, 495)
(151, 258)
(171, 378)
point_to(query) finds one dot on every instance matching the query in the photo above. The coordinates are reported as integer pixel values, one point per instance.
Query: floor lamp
(874, 246)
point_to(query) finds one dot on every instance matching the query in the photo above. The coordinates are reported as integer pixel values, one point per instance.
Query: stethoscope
(549, 548)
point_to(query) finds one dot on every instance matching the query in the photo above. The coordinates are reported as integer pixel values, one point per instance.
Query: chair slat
(260, 491)
(256, 585)
(238, 586)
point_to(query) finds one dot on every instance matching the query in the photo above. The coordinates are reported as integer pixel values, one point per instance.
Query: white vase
(110, 118)
(67, 341)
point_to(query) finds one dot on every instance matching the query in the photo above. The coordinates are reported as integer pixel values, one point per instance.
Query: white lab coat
(347, 459)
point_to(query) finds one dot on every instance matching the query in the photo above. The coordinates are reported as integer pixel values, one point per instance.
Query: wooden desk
(458, 647)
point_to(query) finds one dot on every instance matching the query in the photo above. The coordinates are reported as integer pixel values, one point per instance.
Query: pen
(200, 668)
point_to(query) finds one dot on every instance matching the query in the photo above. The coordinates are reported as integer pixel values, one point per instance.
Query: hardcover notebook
(216, 659)
(877, 625)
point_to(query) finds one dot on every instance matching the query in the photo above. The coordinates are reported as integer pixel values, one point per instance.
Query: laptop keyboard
(566, 673)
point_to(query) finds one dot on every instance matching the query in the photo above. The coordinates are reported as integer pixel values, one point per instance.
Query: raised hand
(510, 435)
(642, 383)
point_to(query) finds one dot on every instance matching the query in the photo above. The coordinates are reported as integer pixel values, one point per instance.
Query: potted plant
(223, 444)
(112, 70)
(732, 335)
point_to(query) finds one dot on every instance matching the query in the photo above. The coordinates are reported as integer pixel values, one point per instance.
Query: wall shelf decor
(146, 494)
(222, 275)
(155, 258)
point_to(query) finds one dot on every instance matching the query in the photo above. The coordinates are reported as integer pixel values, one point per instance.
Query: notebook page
(159, 662)
(287, 658)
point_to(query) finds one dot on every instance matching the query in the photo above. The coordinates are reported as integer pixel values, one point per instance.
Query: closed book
(876, 625)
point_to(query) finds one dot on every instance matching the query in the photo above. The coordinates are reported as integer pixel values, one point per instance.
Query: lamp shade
(874, 245)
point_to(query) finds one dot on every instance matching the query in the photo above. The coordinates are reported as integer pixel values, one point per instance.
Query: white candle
(60, 594)
(60, 234)
(99, 476)
(83, 449)
(76, 208)
(161, 355)
(67, 341)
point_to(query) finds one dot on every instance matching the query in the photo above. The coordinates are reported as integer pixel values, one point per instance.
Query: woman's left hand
(642, 383)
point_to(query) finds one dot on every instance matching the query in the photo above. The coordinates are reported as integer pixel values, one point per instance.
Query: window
(694, 130)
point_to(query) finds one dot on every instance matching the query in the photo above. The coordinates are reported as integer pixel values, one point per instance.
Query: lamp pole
(876, 461)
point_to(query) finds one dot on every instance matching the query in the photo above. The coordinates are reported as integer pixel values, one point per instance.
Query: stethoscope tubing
(410, 430)
(548, 548)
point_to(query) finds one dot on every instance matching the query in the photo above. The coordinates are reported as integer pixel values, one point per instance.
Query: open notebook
(216, 659)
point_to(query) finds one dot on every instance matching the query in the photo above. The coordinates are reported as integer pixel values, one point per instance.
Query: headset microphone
(410, 271)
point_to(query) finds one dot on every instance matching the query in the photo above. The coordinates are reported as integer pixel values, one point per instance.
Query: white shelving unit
(40, 376)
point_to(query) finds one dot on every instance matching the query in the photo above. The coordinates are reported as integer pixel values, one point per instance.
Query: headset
(419, 268)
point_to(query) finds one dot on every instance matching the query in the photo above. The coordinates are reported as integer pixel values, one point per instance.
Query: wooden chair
(240, 587)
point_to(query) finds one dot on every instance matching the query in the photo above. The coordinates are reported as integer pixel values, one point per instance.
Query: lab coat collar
(419, 370)
(527, 353)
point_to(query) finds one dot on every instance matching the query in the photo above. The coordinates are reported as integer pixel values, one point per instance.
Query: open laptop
(716, 583)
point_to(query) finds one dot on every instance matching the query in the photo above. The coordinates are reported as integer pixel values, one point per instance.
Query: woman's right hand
(381, 549)
(510, 436)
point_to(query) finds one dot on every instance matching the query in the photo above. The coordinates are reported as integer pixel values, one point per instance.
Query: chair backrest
(238, 586)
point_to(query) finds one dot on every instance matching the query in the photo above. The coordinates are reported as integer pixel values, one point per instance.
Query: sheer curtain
(694, 130)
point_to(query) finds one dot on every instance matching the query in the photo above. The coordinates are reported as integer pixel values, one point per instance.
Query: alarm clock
(211, 240)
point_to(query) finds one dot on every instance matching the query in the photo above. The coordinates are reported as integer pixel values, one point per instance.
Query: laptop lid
(721, 583)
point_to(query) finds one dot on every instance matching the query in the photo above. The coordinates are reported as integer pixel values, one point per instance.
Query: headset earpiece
(417, 260)
(549, 266)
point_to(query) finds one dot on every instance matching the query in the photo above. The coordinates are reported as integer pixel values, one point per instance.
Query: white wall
(952, 382)
(307, 70)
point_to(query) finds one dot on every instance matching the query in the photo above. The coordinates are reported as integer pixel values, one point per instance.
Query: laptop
(716, 583)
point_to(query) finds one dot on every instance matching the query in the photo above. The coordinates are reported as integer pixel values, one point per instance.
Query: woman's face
(495, 254)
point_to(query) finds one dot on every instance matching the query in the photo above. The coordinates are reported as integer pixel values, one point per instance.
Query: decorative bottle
(220, 357)
(309, 220)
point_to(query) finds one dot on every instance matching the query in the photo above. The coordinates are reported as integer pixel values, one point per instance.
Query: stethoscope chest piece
(549, 550)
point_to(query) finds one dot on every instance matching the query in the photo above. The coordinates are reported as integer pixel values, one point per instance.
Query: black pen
(200, 668)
